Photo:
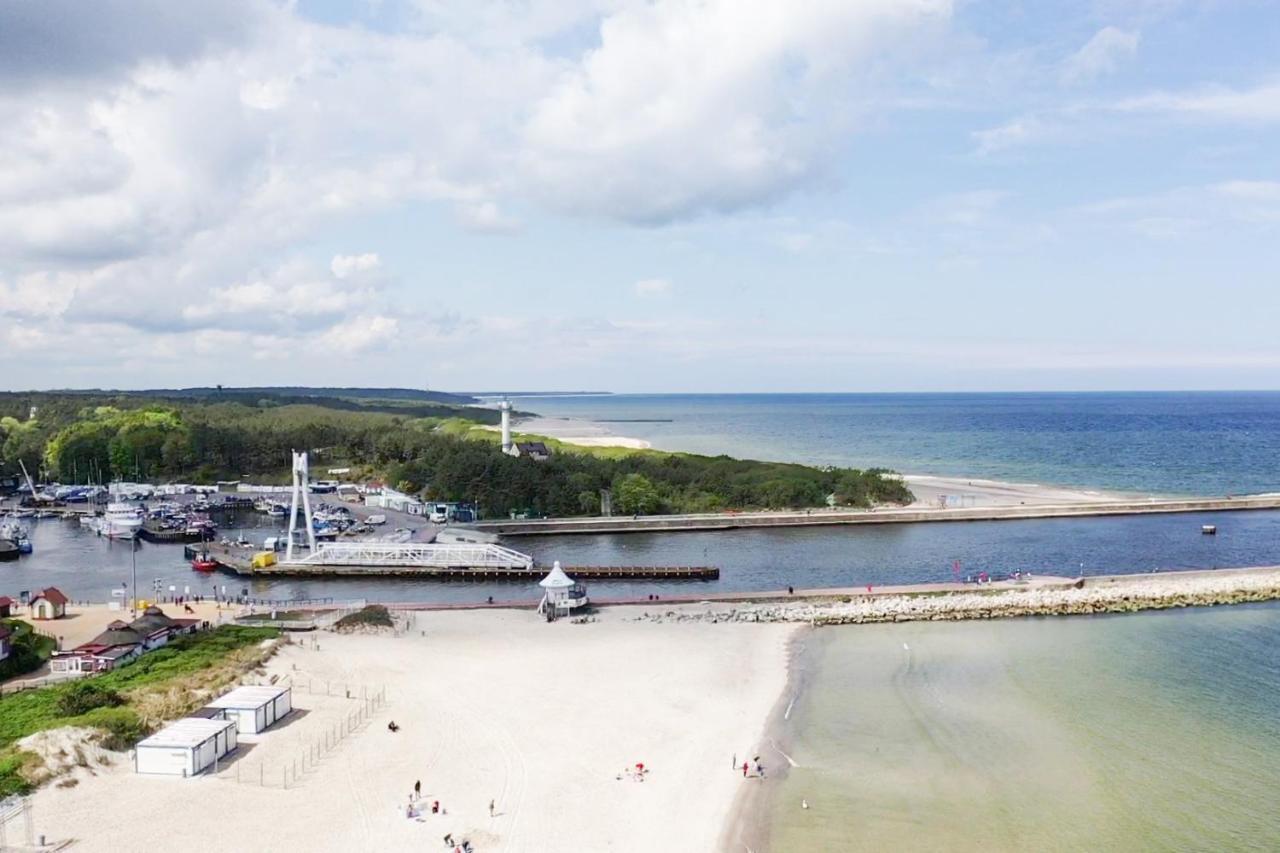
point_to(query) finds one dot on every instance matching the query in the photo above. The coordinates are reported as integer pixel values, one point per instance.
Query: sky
(666, 196)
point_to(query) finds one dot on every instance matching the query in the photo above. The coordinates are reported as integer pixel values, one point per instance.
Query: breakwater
(1110, 594)
(881, 515)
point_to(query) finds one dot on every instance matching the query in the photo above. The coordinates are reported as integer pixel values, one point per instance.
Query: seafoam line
(790, 760)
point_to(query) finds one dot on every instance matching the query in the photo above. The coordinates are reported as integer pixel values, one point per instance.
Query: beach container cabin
(255, 709)
(561, 593)
(185, 747)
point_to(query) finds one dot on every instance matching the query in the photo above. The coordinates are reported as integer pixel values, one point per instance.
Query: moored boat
(204, 563)
(121, 521)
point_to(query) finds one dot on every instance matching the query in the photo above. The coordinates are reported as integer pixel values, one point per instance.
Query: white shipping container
(185, 747)
(255, 709)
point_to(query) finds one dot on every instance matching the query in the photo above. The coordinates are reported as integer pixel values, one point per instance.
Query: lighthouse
(505, 408)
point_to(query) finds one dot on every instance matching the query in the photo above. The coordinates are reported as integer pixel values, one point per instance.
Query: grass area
(28, 651)
(373, 616)
(128, 702)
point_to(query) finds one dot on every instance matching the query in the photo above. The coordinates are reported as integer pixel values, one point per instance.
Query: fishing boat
(15, 535)
(204, 563)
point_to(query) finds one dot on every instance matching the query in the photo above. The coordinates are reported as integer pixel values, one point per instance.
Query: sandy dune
(492, 705)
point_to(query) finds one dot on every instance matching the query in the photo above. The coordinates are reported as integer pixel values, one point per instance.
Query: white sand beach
(573, 431)
(492, 705)
(931, 491)
(580, 432)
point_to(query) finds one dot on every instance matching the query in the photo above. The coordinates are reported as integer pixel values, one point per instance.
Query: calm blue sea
(1201, 443)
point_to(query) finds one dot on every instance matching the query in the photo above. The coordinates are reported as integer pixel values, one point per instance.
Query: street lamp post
(133, 548)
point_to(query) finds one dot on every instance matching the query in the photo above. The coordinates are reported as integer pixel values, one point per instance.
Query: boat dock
(880, 515)
(238, 561)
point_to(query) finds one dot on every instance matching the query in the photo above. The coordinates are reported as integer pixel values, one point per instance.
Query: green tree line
(438, 457)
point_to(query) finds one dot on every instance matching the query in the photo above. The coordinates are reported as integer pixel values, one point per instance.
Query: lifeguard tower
(561, 594)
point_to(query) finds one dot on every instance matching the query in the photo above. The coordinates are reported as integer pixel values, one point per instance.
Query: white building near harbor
(391, 499)
(255, 709)
(185, 747)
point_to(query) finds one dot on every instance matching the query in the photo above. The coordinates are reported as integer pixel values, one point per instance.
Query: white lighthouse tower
(505, 408)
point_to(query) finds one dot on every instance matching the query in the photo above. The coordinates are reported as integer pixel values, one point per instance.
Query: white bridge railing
(414, 554)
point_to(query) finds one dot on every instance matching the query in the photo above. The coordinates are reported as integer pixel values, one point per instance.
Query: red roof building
(49, 603)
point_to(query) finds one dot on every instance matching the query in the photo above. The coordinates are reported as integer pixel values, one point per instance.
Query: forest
(428, 449)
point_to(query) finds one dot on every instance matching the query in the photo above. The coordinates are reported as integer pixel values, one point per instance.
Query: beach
(543, 719)
(552, 722)
(931, 491)
(574, 431)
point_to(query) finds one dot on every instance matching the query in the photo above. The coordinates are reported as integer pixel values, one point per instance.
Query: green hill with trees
(432, 449)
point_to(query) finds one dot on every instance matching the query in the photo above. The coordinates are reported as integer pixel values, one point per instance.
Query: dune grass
(160, 685)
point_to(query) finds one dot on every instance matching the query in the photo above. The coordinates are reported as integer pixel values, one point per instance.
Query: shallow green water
(1153, 731)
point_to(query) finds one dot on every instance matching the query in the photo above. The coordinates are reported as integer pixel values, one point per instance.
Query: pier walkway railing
(461, 555)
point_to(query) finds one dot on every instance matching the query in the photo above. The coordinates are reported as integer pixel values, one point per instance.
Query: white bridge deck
(413, 555)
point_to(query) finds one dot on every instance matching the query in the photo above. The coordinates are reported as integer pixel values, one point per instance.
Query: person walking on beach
(491, 808)
(744, 769)
(417, 790)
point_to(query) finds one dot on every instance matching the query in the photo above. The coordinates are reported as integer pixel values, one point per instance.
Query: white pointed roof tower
(556, 578)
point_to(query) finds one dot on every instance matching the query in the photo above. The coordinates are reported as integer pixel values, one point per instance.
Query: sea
(1155, 731)
(1176, 443)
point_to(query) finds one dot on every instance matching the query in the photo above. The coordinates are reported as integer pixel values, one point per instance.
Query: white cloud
(1011, 134)
(344, 266)
(38, 294)
(647, 287)
(159, 165)
(1251, 190)
(292, 297)
(1260, 104)
(362, 334)
(688, 107)
(1101, 55)
(486, 217)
